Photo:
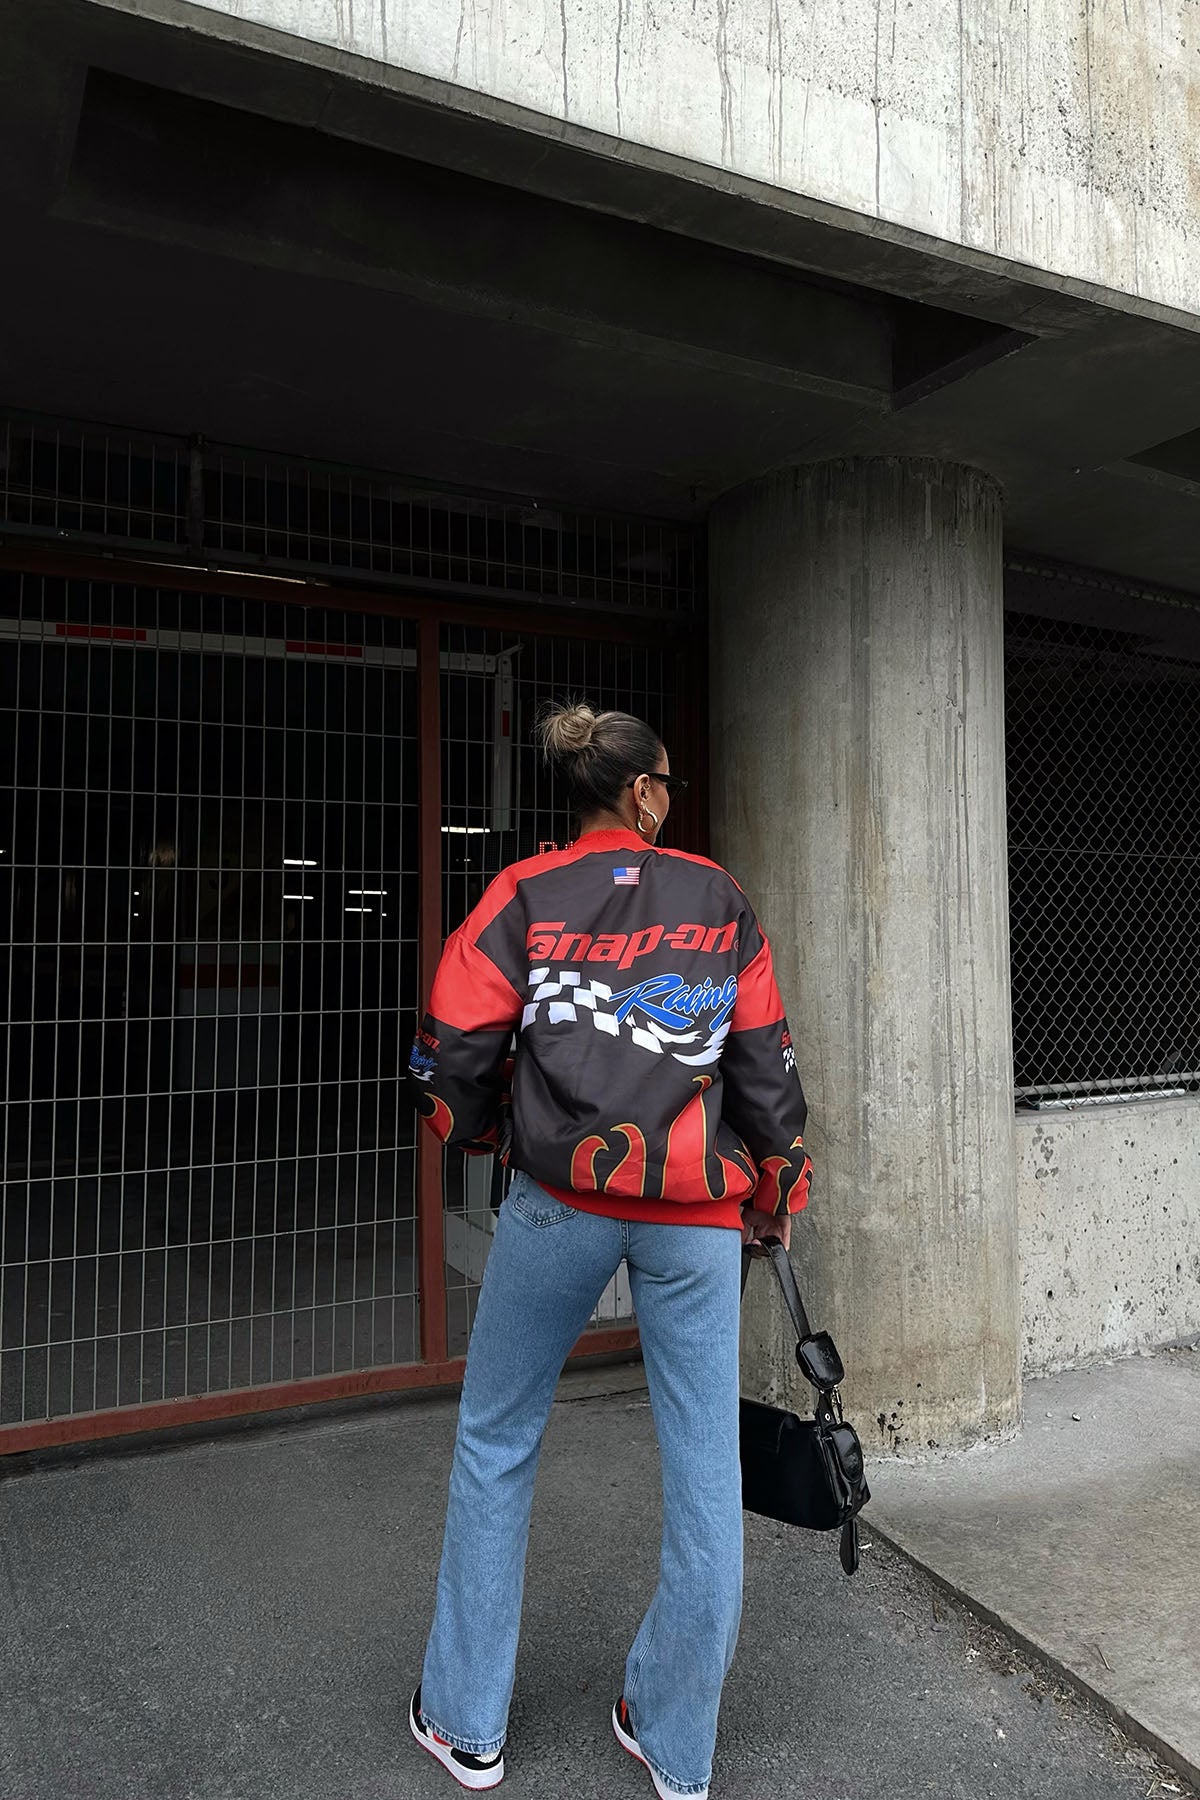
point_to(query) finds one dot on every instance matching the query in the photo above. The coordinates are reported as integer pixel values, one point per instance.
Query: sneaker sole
(466, 1778)
(631, 1748)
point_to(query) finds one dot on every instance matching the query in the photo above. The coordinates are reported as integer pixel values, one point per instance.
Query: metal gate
(243, 814)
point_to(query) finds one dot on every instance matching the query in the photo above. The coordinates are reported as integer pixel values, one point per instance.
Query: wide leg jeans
(548, 1266)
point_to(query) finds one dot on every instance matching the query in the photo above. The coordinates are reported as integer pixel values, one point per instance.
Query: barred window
(1103, 761)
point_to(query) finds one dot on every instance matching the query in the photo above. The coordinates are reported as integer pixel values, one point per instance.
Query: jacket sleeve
(763, 1099)
(457, 1073)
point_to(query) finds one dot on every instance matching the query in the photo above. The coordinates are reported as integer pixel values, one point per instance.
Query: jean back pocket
(535, 1205)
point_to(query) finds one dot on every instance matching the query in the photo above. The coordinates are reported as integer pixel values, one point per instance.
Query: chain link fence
(1103, 761)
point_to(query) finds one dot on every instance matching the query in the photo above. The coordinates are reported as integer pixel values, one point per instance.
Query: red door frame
(436, 1369)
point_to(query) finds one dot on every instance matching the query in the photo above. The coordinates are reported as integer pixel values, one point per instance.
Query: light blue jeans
(548, 1266)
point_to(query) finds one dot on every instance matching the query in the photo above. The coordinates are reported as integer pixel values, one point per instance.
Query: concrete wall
(1059, 134)
(1109, 1200)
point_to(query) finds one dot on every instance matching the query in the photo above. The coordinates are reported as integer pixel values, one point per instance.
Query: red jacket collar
(611, 840)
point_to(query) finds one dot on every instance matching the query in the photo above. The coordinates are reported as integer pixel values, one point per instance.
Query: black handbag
(805, 1472)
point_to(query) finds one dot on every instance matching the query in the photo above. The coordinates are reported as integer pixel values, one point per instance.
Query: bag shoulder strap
(781, 1263)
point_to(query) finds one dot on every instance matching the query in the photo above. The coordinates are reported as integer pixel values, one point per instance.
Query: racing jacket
(654, 1075)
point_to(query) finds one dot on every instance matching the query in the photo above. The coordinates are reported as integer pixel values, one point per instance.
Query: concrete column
(857, 759)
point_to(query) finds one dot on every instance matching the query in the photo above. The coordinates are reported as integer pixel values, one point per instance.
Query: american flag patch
(626, 877)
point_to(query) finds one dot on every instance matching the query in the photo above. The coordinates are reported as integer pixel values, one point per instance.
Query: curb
(1134, 1728)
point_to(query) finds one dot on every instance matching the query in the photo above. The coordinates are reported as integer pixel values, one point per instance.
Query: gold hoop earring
(645, 813)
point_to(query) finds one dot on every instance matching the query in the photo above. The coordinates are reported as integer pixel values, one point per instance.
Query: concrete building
(373, 370)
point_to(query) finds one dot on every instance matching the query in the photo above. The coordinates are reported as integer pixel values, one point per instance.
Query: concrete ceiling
(199, 238)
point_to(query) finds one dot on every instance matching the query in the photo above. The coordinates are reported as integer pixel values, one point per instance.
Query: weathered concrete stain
(1060, 136)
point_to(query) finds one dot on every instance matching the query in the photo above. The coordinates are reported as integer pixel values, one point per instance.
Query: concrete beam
(921, 129)
(181, 170)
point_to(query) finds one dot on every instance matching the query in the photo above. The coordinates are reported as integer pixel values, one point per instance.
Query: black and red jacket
(654, 1075)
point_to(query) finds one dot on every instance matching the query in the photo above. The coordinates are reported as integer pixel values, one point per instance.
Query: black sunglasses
(674, 784)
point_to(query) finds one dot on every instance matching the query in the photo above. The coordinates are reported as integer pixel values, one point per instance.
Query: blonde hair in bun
(563, 731)
(598, 753)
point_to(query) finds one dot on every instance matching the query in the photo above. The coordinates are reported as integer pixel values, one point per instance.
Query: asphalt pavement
(242, 1617)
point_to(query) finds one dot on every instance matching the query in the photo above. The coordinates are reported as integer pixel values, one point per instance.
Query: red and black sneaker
(622, 1726)
(474, 1772)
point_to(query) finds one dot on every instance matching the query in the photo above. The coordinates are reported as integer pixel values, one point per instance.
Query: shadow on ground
(242, 1619)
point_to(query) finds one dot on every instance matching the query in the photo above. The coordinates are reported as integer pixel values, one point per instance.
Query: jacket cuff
(781, 1190)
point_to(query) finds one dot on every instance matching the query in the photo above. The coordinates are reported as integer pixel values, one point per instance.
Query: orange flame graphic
(440, 1118)
(583, 1164)
(629, 1176)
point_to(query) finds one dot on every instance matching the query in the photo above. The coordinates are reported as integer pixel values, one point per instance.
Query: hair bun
(566, 730)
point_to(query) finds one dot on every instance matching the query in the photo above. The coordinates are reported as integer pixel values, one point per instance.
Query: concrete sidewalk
(1082, 1536)
(242, 1619)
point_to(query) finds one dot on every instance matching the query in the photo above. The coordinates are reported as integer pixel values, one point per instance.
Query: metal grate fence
(220, 892)
(241, 814)
(208, 878)
(90, 484)
(1103, 760)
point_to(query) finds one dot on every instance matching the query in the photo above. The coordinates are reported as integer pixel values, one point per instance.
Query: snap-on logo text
(550, 941)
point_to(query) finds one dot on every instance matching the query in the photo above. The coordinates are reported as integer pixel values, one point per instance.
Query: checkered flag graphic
(568, 992)
(566, 996)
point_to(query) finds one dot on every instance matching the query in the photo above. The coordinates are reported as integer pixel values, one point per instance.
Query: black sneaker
(475, 1772)
(622, 1726)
